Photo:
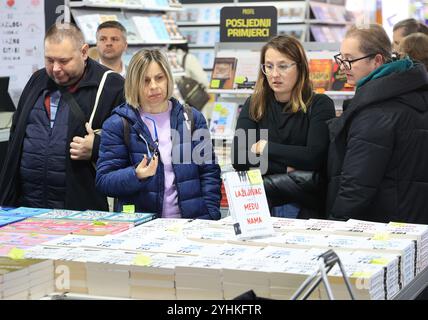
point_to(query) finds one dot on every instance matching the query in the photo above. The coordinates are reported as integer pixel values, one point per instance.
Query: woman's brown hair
(301, 94)
(416, 47)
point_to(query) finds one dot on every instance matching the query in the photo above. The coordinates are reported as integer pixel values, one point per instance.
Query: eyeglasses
(268, 68)
(348, 63)
(152, 150)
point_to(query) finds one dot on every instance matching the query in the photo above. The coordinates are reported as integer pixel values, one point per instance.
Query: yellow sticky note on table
(16, 254)
(128, 208)
(380, 261)
(255, 177)
(381, 236)
(361, 274)
(142, 260)
(99, 223)
(175, 228)
(397, 224)
(240, 79)
(215, 84)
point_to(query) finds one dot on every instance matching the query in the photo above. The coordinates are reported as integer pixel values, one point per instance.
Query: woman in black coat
(282, 127)
(379, 146)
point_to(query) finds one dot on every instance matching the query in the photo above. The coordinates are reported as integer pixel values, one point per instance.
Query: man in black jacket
(378, 153)
(53, 143)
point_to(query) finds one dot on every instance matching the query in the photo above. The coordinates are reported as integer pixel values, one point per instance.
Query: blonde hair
(301, 94)
(373, 40)
(137, 70)
(416, 47)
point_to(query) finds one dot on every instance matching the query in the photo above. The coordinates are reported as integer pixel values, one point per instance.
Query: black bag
(192, 91)
(301, 186)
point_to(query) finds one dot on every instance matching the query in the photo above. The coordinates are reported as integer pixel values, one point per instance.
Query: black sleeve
(313, 155)
(369, 148)
(240, 147)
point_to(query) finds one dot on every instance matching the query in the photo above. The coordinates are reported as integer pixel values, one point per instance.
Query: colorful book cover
(223, 119)
(45, 226)
(223, 74)
(21, 240)
(4, 221)
(99, 228)
(161, 32)
(338, 80)
(320, 71)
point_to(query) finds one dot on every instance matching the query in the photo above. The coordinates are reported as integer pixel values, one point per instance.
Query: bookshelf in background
(148, 22)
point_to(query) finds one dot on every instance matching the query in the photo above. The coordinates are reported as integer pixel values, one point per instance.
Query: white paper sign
(248, 204)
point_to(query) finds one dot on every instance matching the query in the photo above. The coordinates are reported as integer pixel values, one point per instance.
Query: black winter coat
(378, 152)
(80, 175)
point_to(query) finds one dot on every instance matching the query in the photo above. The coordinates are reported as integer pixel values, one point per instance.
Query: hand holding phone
(147, 169)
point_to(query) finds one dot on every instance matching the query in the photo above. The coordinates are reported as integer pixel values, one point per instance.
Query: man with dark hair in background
(53, 142)
(111, 44)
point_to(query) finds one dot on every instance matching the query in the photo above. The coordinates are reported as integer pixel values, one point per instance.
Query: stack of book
(152, 276)
(200, 279)
(171, 28)
(415, 232)
(107, 279)
(24, 279)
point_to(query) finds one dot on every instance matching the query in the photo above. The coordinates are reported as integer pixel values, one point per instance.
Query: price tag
(255, 177)
(128, 208)
(16, 254)
(215, 84)
(142, 260)
(381, 236)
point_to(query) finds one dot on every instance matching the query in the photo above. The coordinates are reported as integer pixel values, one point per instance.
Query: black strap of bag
(74, 106)
(183, 63)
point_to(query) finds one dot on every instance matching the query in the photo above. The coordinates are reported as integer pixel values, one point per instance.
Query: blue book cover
(6, 208)
(4, 220)
(159, 27)
(25, 212)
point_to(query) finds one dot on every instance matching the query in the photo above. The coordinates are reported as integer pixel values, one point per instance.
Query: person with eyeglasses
(151, 159)
(379, 146)
(284, 104)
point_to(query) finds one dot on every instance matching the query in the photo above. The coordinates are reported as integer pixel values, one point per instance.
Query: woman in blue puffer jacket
(155, 154)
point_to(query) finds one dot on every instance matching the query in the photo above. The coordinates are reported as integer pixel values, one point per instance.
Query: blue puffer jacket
(198, 185)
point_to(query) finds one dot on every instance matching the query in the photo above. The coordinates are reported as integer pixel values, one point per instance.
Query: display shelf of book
(138, 6)
(151, 28)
